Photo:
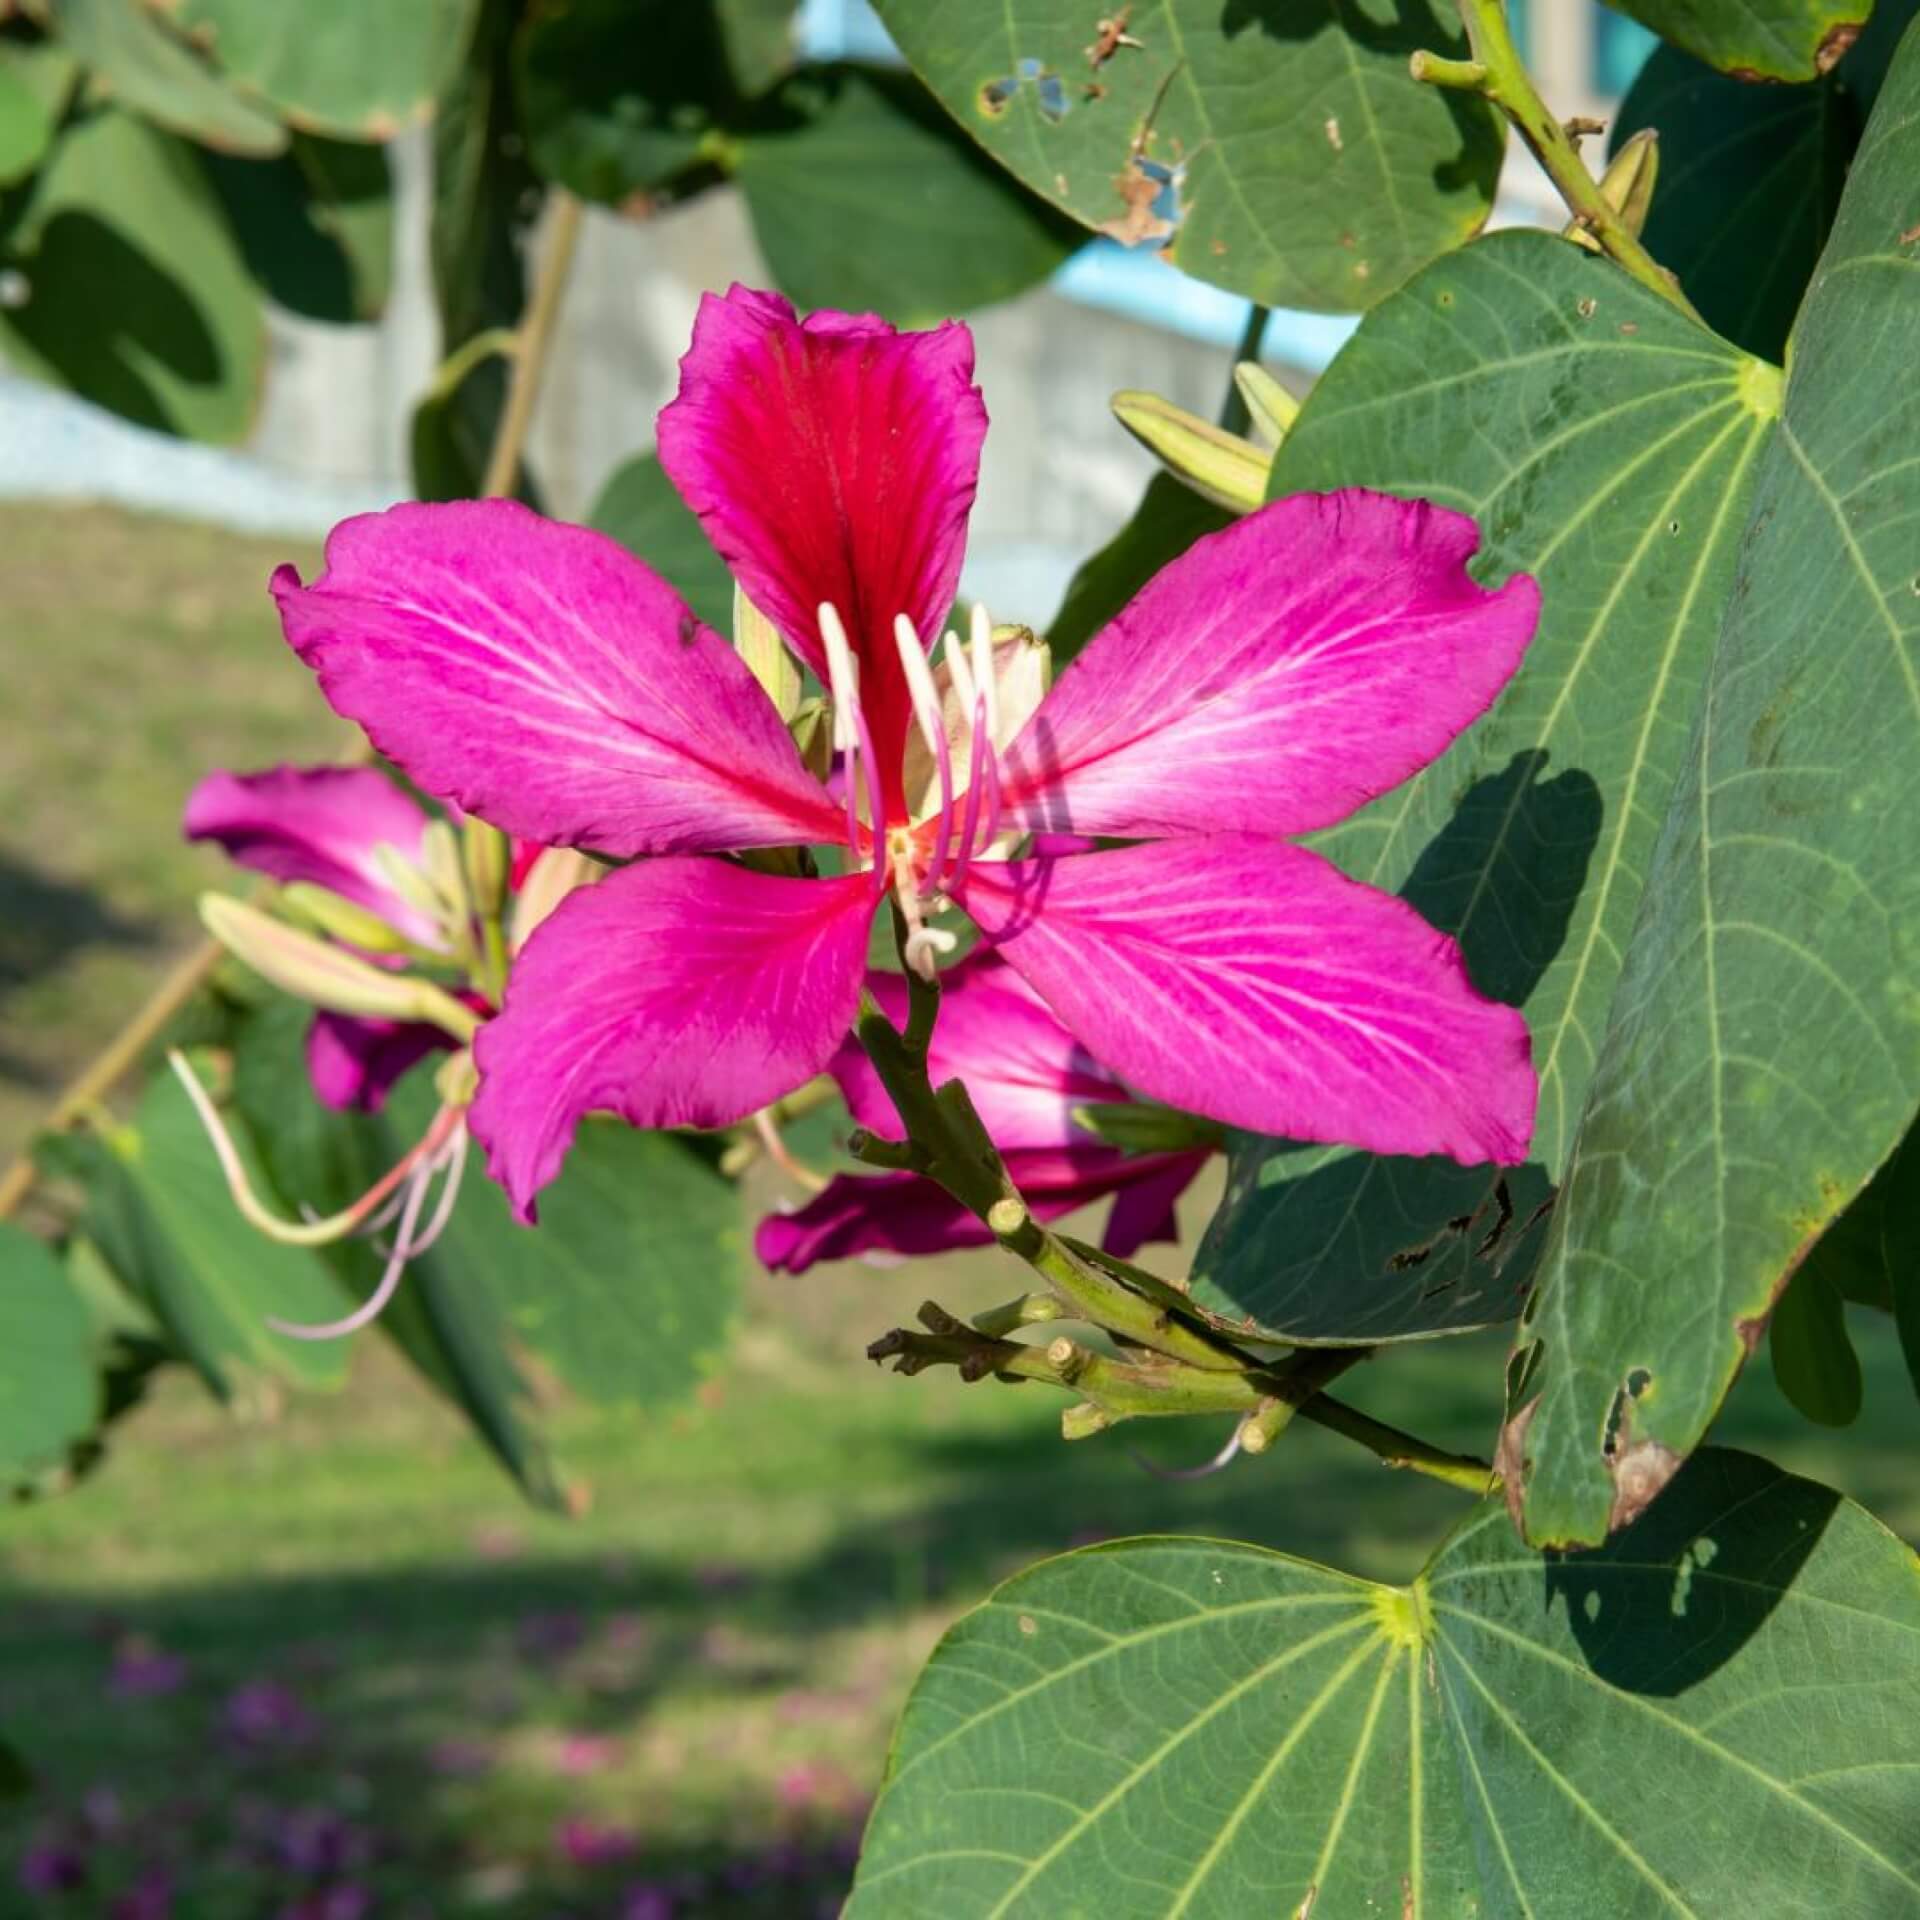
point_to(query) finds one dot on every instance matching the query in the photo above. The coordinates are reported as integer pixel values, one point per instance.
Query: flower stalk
(1169, 1363)
(1496, 73)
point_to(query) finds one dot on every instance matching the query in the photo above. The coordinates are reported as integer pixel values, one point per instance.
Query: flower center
(921, 867)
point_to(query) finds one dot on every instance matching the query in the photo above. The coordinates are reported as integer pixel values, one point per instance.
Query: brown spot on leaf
(1911, 235)
(1834, 46)
(1640, 1472)
(1139, 224)
(1333, 133)
(1586, 308)
(1029, 1625)
(1510, 1459)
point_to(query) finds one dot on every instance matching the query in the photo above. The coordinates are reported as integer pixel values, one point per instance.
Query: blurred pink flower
(588, 1843)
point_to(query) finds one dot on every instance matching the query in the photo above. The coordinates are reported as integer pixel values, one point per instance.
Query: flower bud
(1272, 408)
(332, 913)
(757, 641)
(554, 875)
(325, 975)
(1139, 1126)
(1216, 464)
(489, 860)
(1626, 186)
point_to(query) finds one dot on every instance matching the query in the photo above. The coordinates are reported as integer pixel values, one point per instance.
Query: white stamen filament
(311, 1231)
(843, 678)
(371, 1308)
(851, 736)
(933, 729)
(955, 656)
(983, 680)
(924, 944)
(407, 1244)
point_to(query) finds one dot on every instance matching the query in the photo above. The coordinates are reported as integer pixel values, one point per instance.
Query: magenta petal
(897, 1213)
(1253, 982)
(832, 459)
(539, 676)
(1278, 675)
(355, 1062)
(317, 824)
(1024, 1071)
(909, 1216)
(1143, 1209)
(676, 993)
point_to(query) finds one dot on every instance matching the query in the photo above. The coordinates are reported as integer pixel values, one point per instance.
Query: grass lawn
(328, 1667)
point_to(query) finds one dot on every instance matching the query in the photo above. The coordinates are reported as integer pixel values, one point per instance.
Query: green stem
(1397, 1449)
(1495, 73)
(1234, 414)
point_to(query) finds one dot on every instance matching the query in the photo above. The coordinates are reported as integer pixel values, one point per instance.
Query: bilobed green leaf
(135, 293)
(149, 69)
(866, 197)
(641, 509)
(1749, 180)
(1168, 520)
(359, 69)
(35, 81)
(49, 1384)
(315, 225)
(1756, 39)
(1762, 1055)
(619, 96)
(1606, 445)
(159, 1208)
(1278, 148)
(1717, 1714)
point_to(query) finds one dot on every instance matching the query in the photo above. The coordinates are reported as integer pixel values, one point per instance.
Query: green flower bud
(1272, 407)
(1216, 464)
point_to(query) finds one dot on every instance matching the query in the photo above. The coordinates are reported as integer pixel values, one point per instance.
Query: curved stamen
(455, 1162)
(933, 730)
(1221, 1459)
(955, 656)
(370, 1309)
(307, 1233)
(983, 674)
(843, 688)
(976, 774)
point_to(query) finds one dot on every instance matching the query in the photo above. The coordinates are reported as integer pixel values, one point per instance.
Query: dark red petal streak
(832, 459)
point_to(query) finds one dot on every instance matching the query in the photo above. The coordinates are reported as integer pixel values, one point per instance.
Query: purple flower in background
(263, 1713)
(52, 1867)
(587, 1843)
(142, 1671)
(149, 1898)
(1026, 1074)
(1269, 682)
(647, 1900)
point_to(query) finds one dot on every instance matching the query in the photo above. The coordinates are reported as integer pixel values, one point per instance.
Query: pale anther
(957, 672)
(843, 678)
(920, 688)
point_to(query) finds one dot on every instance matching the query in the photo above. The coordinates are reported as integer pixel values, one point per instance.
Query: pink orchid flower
(1276, 677)
(1026, 1075)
